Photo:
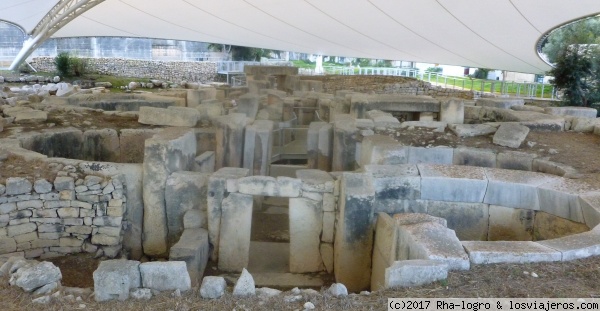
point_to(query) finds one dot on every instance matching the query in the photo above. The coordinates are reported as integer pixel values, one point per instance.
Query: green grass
(511, 88)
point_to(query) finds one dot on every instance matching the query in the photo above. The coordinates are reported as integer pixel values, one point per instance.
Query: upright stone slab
(325, 149)
(468, 220)
(230, 140)
(452, 111)
(474, 157)
(516, 189)
(435, 155)
(581, 112)
(171, 150)
(192, 248)
(217, 188)
(344, 146)
(504, 103)
(114, 278)
(312, 143)
(236, 222)
(561, 198)
(384, 249)
(393, 184)
(510, 224)
(354, 233)
(452, 183)
(172, 116)
(258, 147)
(248, 105)
(165, 276)
(101, 145)
(184, 191)
(415, 272)
(306, 224)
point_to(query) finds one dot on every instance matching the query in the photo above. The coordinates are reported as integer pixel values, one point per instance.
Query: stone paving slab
(576, 246)
(487, 252)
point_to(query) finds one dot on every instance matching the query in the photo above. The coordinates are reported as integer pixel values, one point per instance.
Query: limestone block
(306, 224)
(236, 221)
(107, 221)
(258, 147)
(101, 145)
(21, 229)
(289, 187)
(410, 273)
(245, 285)
(329, 204)
(114, 278)
(503, 103)
(514, 160)
(510, 224)
(68, 212)
(312, 143)
(582, 112)
(192, 248)
(547, 226)
(6, 208)
(549, 167)
(393, 183)
(314, 180)
(354, 232)
(212, 287)
(216, 192)
(17, 185)
(384, 249)
(194, 219)
(230, 140)
(405, 219)
(382, 149)
(324, 147)
(436, 155)
(327, 256)
(205, 163)
(248, 105)
(173, 116)
(576, 246)
(432, 241)
(584, 125)
(42, 186)
(184, 191)
(33, 116)
(103, 239)
(452, 183)
(561, 198)
(7, 245)
(474, 157)
(471, 130)
(483, 252)
(452, 111)
(516, 189)
(590, 207)
(468, 220)
(167, 275)
(36, 275)
(344, 146)
(328, 227)
(169, 151)
(510, 135)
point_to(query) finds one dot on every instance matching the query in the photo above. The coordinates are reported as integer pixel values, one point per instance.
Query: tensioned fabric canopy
(499, 34)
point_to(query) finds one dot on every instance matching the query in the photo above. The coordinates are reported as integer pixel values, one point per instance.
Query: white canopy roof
(498, 34)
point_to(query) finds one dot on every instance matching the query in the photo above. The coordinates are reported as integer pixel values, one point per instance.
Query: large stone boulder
(162, 276)
(114, 278)
(33, 276)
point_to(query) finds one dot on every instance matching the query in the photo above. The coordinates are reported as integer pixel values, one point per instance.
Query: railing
(511, 88)
(238, 66)
(239, 80)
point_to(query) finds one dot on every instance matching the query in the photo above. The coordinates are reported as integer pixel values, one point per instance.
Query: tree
(242, 53)
(577, 74)
(481, 73)
(586, 31)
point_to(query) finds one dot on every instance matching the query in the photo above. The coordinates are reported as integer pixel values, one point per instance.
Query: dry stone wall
(71, 214)
(163, 70)
(386, 85)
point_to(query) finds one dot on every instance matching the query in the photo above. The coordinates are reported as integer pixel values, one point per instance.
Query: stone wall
(73, 213)
(386, 85)
(175, 71)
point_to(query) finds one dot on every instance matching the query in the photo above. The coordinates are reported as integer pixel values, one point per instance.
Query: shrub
(481, 73)
(434, 69)
(78, 66)
(63, 64)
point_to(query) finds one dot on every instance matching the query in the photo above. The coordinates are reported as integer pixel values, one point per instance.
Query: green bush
(434, 69)
(69, 66)
(62, 62)
(481, 73)
(577, 74)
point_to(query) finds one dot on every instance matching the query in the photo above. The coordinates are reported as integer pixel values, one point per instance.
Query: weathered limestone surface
(192, 248)
(361, 103)
(590, 207)
(409, 273)
(474, 157)
(114, 278)
(344, 146)
(236, 221)
(217, 188)
(382, 149)
(515, 189)
(258, 147)
(470, 130)
(514, 160)
(468, 220)
(582, 112)
(354, 233)
(561, 198)
(134, 140)
(184, 191)
(504, 103)
(576, 246)
(167, 152)
(452, 111)
(510, 135)
(306, 222)
(547, 226)
(394, 183)
(510, 224)
(315, 180)
(452, 183)
(167, 275)
(435, 155)
(229, 139)
(384, 249)
(484, 252)
(248, 105)
(101, 145)
(172, 116)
